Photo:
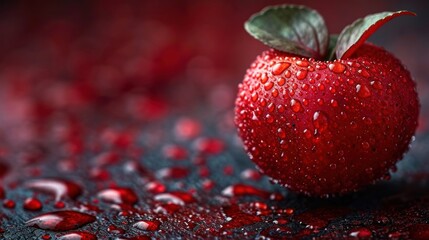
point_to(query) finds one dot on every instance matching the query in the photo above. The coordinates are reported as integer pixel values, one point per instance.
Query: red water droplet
(236, 218)
(268, 86)
(363, 91)
(302, 63)
(32, 204)
(118, 195)
(173, 172)
(60, 220)
(59, 204)
(320, 121)
(155, 187)
(239, 190)
(60, 188)
(361, 233)
(178, 198)
(301, 74)
(209, 145)
(281, 133)
(7, 203)
(46, 237)
(115, 229)
(264, 78)
(78, 236)
(147, 225)
(364, 73)
(175, 152)
(279, 68)
(270, 118)
(187, 128)
(251, 174)
(295, 105)
(337, 67)
(281, 81)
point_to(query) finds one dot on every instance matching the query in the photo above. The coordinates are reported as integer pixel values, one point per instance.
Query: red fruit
(324, 127)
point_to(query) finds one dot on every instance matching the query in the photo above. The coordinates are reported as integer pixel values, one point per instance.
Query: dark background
(82, 78)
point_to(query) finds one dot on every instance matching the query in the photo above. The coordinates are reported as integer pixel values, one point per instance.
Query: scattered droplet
(78, 236)
(32, 204)
(147, 225)
(363, 91)
(118, 195)
(60, 188)
(295, 105)
(60, 221)
(320, 121)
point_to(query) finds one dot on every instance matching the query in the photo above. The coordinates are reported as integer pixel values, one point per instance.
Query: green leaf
(290, 28)
(355, 34)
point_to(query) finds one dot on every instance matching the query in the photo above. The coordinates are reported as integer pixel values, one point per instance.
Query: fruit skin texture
(326, 128)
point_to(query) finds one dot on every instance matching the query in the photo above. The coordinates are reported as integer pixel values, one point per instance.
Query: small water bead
(275, 93)
(361, 233)
(8, 203)
(281, 133)
(78, 236)
(32, 204)
(60, 220)
(337, 67)
(254, 96)
(118, 195)
(264, 78)
(279, 68)
(268, 85)
(178, 198)
(155, 187)
(364, 73)
(363, 91)
(271, 107)
(320, 121)
(238, 190)
(301, 74)
(376, 84)
(281, 81)
(302, 63)
(334, 103)
(270, 119)
(287, 74)
(295, 105)
(147, 225)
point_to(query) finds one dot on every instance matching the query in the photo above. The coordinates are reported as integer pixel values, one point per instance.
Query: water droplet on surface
(179, 198)
(118, 195)
(361, 233)
(238, 190)
(268, 86)
(60, 220)
(58, 187)
(32, 204)
(7, 203)
(78, 236)
(147, 225)
(172, 172)
(302, 63)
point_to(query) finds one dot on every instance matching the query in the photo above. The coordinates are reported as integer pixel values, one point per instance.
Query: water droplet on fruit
(155, 187)
(59, 187)
(118, 195)
(302, 63)
(61, 220)
(269, 118)
(281, 81)
(268, 85)
(264, 78)
(78, 236)
(320, 121)
(376, 85)
(301, 74)
(337, 67)
(295, 105)
(363, 91)
(364, 73)
(32, 204)
(279, 68)
(147, 225)
(281, 133)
